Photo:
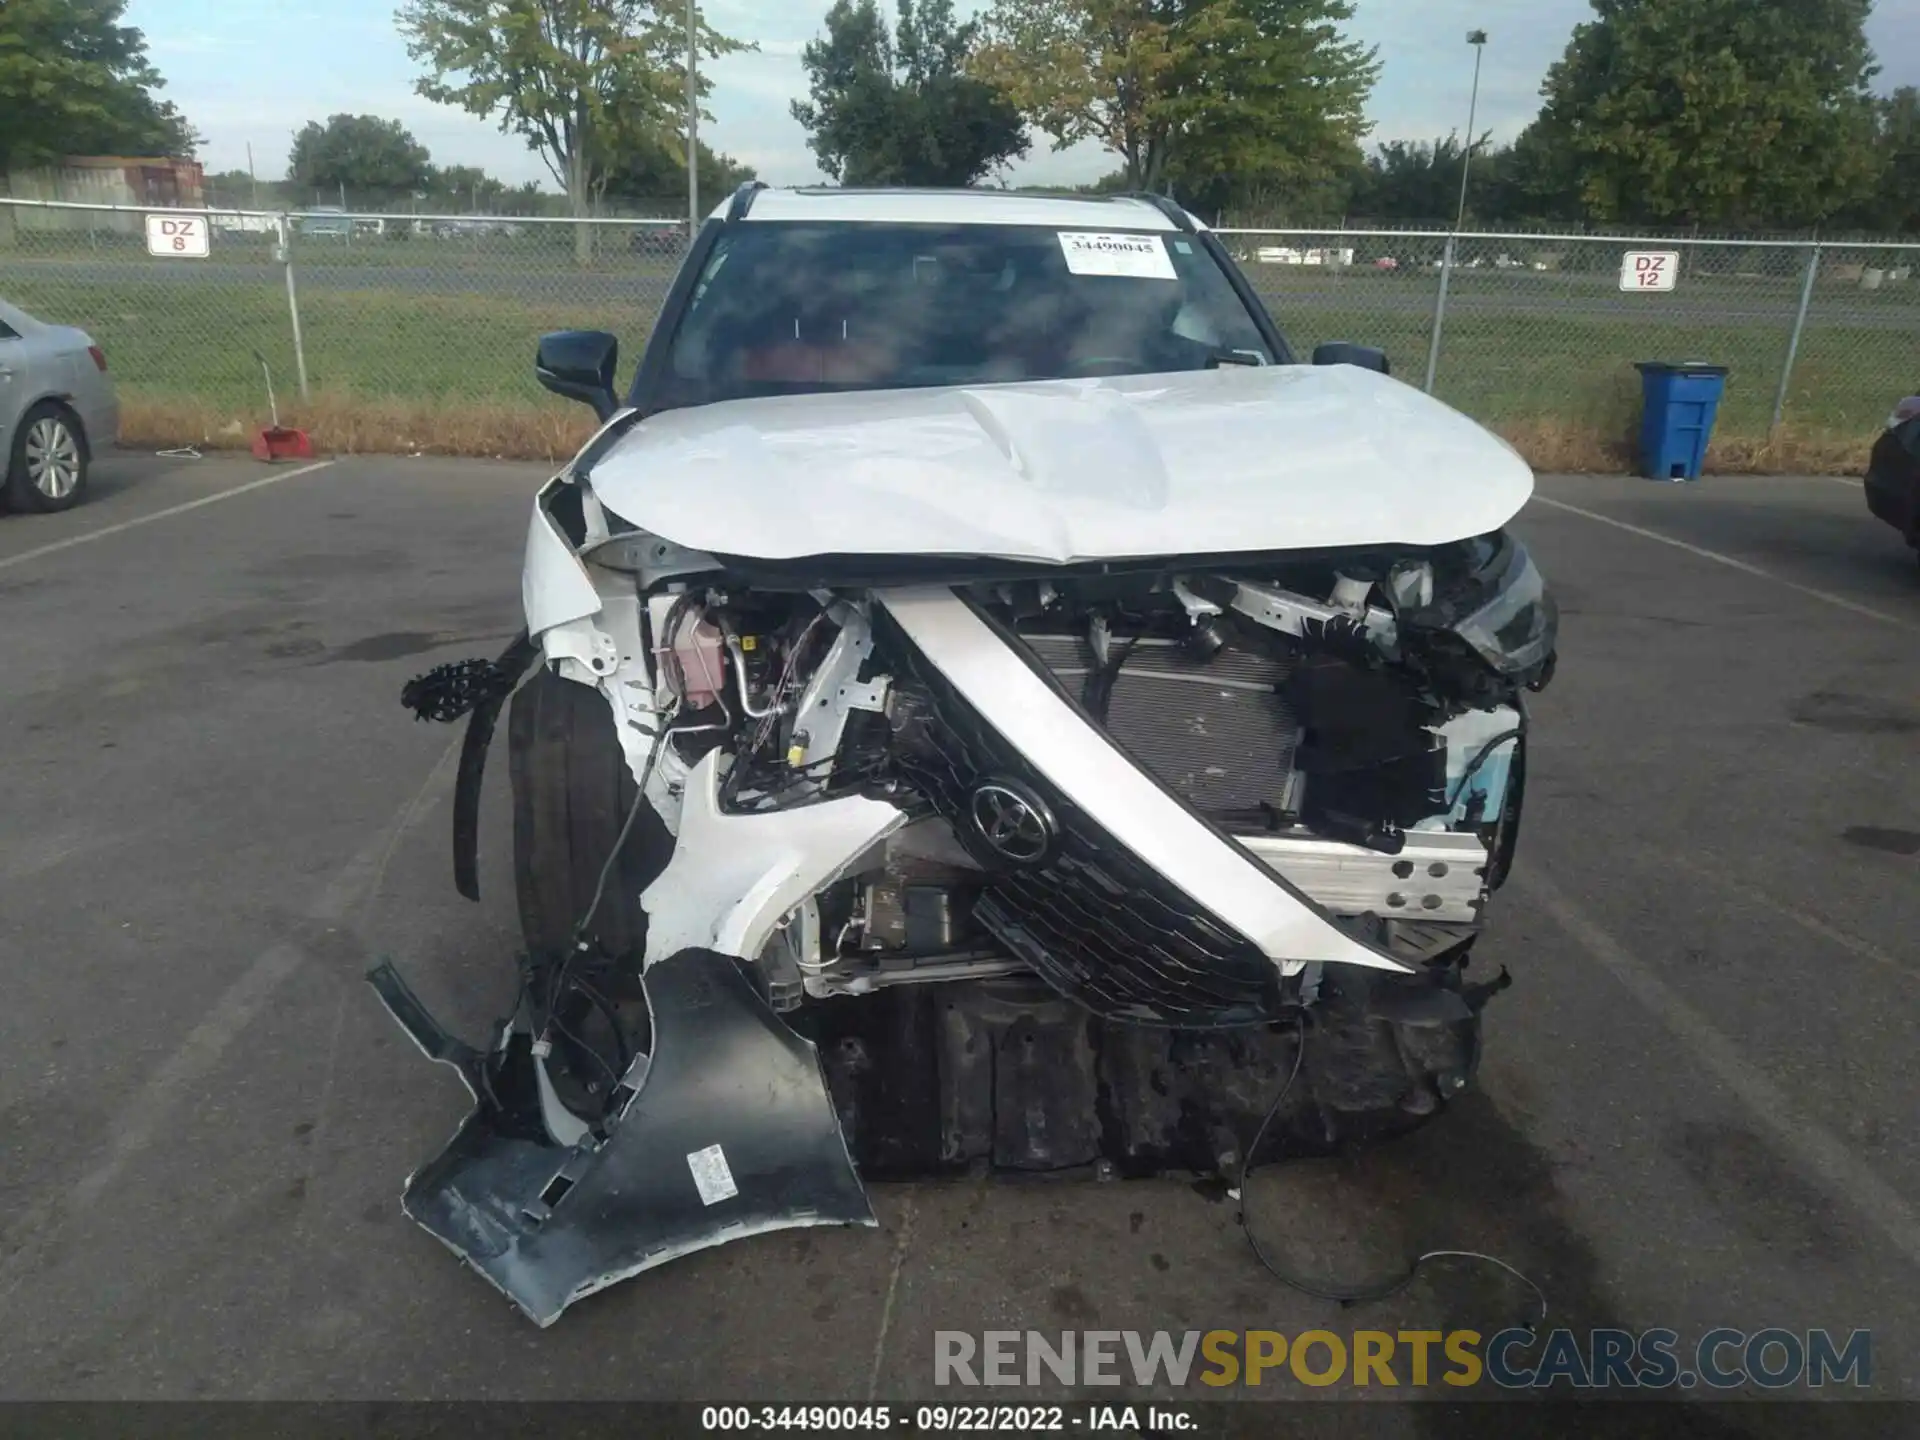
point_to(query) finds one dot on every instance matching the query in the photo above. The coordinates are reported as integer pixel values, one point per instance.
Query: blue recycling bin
(1677, 421)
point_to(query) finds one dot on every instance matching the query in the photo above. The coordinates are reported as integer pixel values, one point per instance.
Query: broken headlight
(1515, 628)
(1491, 602)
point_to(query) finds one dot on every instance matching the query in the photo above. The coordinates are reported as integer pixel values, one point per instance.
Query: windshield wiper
(1221, 355)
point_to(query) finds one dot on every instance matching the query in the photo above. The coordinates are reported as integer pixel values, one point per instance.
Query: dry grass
(1555, 447)
(1791, 452)
(342, 423)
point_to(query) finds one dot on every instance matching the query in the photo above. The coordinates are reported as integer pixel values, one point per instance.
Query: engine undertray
(1007, 1076)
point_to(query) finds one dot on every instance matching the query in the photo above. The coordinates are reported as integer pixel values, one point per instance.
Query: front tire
(572, 793)
(48, 469)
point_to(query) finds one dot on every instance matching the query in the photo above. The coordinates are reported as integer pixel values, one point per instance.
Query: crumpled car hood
(1218, 462)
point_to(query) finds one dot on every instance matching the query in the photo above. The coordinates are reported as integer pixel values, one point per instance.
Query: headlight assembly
(1493, 603)
(1514, 630)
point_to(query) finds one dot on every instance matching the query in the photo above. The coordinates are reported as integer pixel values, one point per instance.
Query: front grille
(1093, 920)
(1215, 732)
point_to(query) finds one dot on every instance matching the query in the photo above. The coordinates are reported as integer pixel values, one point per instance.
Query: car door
(13, 387)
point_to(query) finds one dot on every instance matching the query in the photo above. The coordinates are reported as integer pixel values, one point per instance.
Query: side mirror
(1340, 352)
(579, 364)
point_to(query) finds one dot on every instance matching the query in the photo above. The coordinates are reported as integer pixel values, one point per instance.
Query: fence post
(293, 307)
(1793, 343)
(1439, 315)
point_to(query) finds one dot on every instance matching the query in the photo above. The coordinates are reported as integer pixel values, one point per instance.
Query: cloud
(305, 61)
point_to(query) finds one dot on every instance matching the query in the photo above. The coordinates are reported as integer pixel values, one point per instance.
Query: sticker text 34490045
(1139, 257)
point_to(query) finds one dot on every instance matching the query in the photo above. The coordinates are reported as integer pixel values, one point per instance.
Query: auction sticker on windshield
(1142, 257)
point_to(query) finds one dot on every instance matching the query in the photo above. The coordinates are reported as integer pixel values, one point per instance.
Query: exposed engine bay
(1027, 870)
(1355, 745)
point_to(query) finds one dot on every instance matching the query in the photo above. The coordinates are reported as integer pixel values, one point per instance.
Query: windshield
(787, 308)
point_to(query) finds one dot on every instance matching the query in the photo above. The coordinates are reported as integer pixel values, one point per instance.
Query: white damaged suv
(985, 704)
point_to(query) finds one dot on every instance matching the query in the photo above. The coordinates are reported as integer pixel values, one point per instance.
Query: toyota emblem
(1013, 821)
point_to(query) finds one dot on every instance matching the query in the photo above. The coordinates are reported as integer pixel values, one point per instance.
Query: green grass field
(1534, 349)
(1552, 354)
(164, 337)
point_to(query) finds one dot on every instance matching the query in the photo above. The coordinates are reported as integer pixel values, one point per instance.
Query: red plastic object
(277, 442)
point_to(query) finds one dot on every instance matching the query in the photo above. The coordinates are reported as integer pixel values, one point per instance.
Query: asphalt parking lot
(1696, 1106)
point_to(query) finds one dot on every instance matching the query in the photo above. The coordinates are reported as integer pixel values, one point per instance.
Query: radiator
(1215, 732)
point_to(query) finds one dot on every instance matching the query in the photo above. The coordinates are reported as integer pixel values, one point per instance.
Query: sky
(253, 71)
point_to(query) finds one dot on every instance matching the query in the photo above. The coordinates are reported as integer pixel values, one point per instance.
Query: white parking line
(140, 1118)
(1840, 602)
(8, 562)
(1806, 920)
(1815, 1150)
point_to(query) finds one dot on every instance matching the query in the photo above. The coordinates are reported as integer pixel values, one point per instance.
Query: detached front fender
(567, 610)
(586, 621)
(555, 588)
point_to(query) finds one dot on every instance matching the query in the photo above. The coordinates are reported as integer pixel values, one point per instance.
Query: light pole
(1478, 40)
(693, 121)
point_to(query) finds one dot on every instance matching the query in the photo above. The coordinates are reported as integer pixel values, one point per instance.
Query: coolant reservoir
(699, 651)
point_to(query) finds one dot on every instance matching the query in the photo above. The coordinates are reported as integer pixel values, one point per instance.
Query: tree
(1270, 106)
(1419, 180)
(1713, 112)
(581, 80)
(461, 187)
(74, 81)
(1536, 183)
(240, 189)
(361, 153)
(1262, 92)
(656, 173)
(1895, 204)
(466, 189)
(901, 109)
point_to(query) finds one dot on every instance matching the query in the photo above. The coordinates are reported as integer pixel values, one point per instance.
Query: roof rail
(743, 200)
(1165, 204)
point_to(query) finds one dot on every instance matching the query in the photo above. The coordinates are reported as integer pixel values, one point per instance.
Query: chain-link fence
(1532, 331)
(433, 319)
(387, 307)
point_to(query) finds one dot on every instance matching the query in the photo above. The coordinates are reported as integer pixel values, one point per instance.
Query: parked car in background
(327, 221)
(57, 407)
(475, 229)
(1893, 474)
(657, 237)
(230, 223)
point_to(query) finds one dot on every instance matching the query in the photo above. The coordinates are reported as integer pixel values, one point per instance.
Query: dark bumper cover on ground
(730, 1133)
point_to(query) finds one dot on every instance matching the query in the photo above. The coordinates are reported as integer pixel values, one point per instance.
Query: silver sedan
(57, 408)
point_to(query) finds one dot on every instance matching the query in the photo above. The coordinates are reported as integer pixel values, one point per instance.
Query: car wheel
(48, 469)
(572, 793)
